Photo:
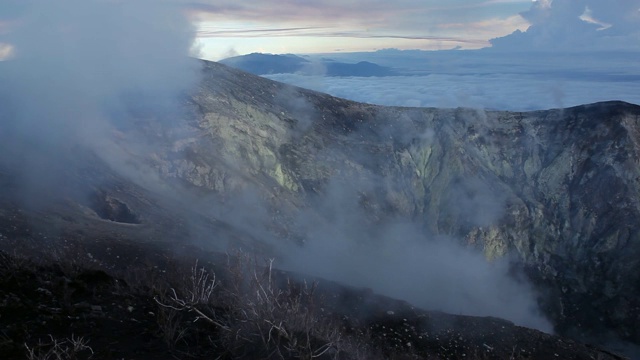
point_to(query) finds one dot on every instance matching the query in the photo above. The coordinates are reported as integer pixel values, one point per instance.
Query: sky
(226, 28)
(290, 26)
(355, 25)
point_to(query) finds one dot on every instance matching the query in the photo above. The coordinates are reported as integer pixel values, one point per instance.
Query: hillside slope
(257, 163)
(558, 188)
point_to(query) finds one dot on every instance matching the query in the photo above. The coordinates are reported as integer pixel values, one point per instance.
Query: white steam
(81, 67)
(398, 258)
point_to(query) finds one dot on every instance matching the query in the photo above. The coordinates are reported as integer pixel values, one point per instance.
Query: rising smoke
(349, 237)
(81, 68)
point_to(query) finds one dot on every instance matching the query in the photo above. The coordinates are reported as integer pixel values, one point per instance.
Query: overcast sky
(231, 27)
(289, 26)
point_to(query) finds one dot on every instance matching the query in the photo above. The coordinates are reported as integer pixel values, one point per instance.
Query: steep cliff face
(558, 189)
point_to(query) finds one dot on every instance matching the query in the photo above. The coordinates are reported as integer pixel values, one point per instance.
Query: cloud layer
(485, 79)
(577, 24)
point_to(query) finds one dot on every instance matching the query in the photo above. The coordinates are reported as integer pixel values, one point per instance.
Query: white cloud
(588, 17)
(6, 50)
(577, 24)
(486, 80)
(544, 4)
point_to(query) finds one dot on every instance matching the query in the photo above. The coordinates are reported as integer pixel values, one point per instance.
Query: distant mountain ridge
(265, 64)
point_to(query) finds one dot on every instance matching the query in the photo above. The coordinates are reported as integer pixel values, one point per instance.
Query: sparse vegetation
(251, 313)
(73, 304)
(71, 348)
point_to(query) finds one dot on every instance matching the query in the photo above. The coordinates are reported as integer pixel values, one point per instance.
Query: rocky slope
(557, 190)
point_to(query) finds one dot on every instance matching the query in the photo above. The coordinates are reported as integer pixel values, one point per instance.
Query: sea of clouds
(485, 79)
